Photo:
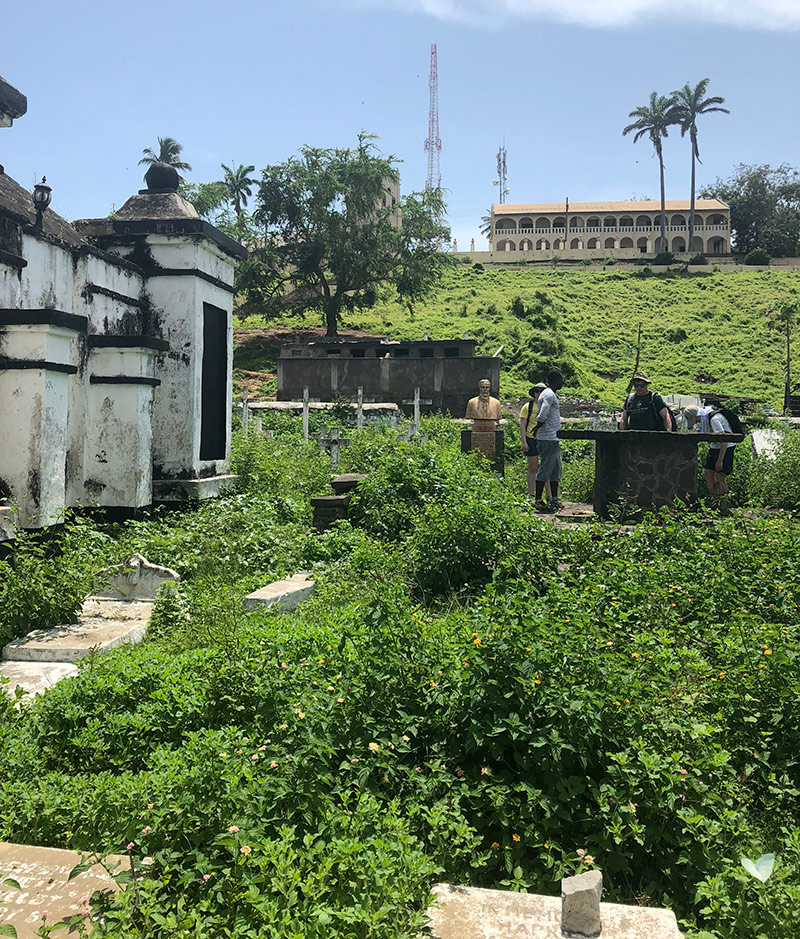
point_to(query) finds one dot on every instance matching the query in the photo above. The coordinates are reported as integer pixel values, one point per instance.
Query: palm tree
(169, 152)
(654, 119)
(486, 226)
(239, 185)
(689, 103)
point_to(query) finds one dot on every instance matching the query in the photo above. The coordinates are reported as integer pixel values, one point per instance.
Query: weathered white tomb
(116, 344)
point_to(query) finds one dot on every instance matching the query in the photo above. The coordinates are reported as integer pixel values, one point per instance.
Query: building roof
(17, 202)
(582, 208)
(13, 103)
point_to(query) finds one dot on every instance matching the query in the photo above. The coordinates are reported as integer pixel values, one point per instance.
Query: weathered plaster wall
(178, 301)
(35, 410)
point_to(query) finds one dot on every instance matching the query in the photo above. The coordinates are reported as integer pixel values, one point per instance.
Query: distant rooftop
(13, 103)
(643, 205)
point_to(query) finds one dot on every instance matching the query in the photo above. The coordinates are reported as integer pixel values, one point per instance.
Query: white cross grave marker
(245, 409)
(413, 433)
(332, 444)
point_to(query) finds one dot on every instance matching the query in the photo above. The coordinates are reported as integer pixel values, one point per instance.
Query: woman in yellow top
(527, 432)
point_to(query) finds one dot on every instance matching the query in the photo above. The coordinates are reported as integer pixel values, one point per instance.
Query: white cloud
(749, 14)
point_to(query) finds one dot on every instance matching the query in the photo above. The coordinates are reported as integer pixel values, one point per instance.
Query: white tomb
(116, 345)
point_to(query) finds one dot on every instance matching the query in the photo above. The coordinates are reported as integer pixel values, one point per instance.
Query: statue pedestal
(644, 469)
(488, 439)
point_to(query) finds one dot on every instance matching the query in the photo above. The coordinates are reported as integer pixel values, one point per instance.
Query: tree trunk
(693, 140)
(664, 245)
(331, 310)
(788, 393)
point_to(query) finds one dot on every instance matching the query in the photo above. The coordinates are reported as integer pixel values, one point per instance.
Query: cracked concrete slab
(102, 625)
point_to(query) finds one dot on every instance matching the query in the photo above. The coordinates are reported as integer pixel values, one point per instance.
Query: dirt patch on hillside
(281, 336)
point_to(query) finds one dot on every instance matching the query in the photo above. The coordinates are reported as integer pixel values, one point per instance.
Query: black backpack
(670, 419)
(731, 418)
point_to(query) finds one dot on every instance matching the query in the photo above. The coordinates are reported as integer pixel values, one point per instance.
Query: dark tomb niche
(215, 383)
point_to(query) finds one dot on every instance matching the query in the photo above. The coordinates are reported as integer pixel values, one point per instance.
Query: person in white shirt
(549, 446)
(719, 462)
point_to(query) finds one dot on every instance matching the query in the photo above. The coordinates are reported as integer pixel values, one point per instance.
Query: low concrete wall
(725, 262)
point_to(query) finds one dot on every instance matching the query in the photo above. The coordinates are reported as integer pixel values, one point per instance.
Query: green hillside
(704, 332)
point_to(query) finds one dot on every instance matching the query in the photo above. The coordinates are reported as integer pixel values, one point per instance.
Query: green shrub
(757, 256)
(46, 576)
(698, 259)
(664, 257)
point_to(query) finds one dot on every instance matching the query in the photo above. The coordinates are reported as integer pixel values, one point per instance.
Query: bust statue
(483, 407)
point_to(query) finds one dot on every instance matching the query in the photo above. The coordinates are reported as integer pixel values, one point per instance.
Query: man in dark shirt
(645, 409)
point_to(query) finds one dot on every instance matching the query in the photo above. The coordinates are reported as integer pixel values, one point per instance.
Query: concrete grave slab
(287, 594)
(102, 625)
(476, 913)
(135, 579)
(766, 442)
(42, 875)
(35, 677)
(193, 490)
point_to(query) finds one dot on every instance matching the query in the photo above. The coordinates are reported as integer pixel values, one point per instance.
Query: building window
(357, 353)
(401, 353)
(333, 351)
(451, 352)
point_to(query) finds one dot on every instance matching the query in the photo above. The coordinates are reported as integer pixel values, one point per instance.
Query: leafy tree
(239, 184)
(332, 238)
(765, 207)
(654, 120)
(210, 199)
(169, 152)
(690, 103)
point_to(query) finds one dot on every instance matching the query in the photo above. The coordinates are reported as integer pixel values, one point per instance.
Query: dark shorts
(727, 460)
(533, 450)
(549, 461)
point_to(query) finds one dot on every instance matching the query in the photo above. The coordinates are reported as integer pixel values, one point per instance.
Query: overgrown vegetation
(470, 695)
(585, 323)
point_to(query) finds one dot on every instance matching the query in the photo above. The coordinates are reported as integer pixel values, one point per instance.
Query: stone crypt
(115, 353)
(644, 469)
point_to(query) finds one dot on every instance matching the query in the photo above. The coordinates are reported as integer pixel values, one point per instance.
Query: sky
(552, 80)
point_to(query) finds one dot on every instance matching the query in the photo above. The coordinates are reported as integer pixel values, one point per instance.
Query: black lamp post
(42, 194)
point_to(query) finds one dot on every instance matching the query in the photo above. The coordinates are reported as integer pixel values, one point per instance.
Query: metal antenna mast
(433, 144)
(502, 173)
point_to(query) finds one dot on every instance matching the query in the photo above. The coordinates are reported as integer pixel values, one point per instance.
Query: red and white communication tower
(433, 144)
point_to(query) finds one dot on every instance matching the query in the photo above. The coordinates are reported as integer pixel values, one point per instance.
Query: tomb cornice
(38, 364)
(91, 289)
(124, 380)
(43, 317)
(115, 230)
(13, 260)
(189, 272)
